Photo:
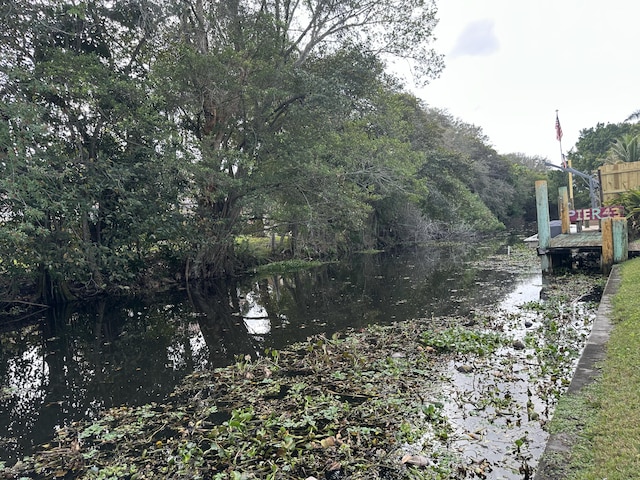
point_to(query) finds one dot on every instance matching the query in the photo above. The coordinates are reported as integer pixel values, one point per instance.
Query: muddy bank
(445, 397)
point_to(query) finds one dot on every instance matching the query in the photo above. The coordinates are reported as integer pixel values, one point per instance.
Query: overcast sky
(511, 64)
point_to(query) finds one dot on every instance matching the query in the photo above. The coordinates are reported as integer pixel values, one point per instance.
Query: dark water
(72, 363)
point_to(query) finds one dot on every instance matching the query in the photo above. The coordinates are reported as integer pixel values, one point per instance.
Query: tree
(592, 149)
(142, 132)
(624, 149)
(594, 143)
(634, 117)
(535, 163)
(477, 165)
(630, 200)
(88, 183)
(340, 157)
(238, 69)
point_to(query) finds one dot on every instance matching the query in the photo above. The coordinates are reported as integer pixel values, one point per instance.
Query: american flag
(558, 129)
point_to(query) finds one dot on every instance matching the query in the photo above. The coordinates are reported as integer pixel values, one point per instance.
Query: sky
(510, 64)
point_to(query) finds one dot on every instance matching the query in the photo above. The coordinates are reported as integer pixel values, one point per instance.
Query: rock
(518, 345)
(528, 324)
(466, 368)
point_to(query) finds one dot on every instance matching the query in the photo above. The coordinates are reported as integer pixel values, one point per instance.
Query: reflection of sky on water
(255, 316)
(257, 326)
(26, 378)
(504, 400)
(526, 290)
(198, 343)
(178, 354)
(66, 368)
(73, 366)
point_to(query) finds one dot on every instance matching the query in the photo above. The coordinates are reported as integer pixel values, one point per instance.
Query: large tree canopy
(148, 136)
(239, 74)
(88, 183)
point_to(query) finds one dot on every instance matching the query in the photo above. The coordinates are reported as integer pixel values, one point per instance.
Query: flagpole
(562, 162)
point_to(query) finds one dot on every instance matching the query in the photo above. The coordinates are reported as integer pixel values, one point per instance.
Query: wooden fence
(618, 178)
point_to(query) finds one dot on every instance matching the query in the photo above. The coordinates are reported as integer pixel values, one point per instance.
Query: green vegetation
(615, 436)
(463, 340)
(630, 200)
(152, 141)
(380, 402)
(346, 405)
(610, 143)
(140, 142)
(604, 418)
(287, 266)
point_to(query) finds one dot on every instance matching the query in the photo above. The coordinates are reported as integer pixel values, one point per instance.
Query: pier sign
(596, 213)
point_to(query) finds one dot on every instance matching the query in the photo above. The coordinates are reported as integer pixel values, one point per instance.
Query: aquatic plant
(463, 340)
(374, 403)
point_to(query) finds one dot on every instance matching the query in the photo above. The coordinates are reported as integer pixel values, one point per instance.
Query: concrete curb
(560, 444)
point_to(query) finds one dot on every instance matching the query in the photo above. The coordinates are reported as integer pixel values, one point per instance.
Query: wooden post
(606, 260)
(620, 240)
(564, 210)
(544, 228)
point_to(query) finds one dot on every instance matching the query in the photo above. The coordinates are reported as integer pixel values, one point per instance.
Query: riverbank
(596, 427)
(438, 397)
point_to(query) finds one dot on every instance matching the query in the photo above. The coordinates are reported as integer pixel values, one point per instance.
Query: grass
(286, 266)
(258, 246)
(604, 418)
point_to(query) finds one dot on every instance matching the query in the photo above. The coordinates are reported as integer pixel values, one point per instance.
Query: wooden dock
(591, 240)
(609, 239)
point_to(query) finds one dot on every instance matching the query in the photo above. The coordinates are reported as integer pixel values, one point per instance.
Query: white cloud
(511, 65)
(477, 38)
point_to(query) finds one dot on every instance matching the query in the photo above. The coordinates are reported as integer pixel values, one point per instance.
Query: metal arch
(594, 183)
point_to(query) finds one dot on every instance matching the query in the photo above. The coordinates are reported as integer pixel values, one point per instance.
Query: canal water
(74, 362)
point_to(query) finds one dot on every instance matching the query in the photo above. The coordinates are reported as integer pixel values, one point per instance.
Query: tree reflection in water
(76, 361)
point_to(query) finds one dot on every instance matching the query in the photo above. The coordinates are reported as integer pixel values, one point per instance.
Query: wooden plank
(634, 246)
(564, 209)
(618, 178)
(577, 240)
(542, 210)
(620, 240)
(607, 244)
(544, 227)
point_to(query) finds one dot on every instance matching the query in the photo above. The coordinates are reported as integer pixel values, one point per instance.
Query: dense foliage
(596, 146)
(141, 138)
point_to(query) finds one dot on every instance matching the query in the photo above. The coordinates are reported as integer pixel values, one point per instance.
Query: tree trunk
(88, 240)
(53, 291)
(215, 257)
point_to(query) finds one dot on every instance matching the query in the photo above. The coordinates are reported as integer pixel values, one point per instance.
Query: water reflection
(527, 289)
(75, 362)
